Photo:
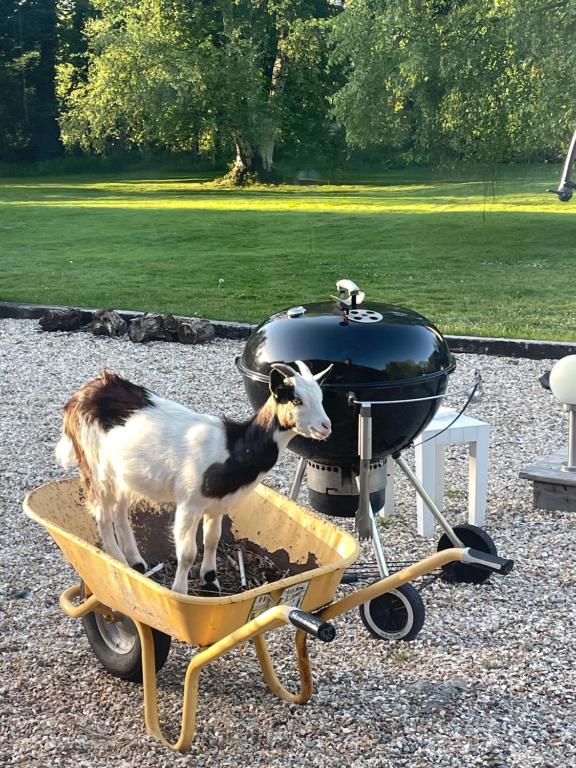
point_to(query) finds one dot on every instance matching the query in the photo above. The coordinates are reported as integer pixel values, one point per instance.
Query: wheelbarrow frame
(83, 555)
(255, 631)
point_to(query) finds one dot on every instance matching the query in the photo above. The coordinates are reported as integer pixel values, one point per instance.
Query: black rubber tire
(395, 615)
(475, 538)
(116, 645)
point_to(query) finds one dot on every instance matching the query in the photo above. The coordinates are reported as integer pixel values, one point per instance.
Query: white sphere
(563, 380)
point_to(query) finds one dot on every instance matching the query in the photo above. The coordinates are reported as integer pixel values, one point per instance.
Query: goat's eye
(297, 401)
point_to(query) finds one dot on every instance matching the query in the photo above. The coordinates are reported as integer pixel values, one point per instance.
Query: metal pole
(376, 542)
(363, 521)
(378, 548)
(429, 502)
(365, 524)
(570, 466)
(297, 483)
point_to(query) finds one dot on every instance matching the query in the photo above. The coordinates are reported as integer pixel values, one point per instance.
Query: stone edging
(475, 345)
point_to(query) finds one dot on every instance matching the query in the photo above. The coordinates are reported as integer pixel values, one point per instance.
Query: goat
(130, 443)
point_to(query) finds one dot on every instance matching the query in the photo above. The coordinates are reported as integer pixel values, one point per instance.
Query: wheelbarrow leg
(270, 619)
(271, 678)
(190, 701)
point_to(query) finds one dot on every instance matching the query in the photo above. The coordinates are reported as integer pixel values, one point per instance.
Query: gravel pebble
(489, 682)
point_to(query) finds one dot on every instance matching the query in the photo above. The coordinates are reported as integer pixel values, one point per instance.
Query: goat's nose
(326, 426)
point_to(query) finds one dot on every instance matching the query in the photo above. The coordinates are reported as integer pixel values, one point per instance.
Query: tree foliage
(28, 56)
(196, 77)
(481, 79)
(414, 80)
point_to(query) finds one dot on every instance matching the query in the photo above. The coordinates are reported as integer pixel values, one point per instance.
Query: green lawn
(477, 257)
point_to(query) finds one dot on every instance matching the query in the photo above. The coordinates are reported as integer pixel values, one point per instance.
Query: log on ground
(195, 331)
(62, 320)
(150, 328)
(107, 322)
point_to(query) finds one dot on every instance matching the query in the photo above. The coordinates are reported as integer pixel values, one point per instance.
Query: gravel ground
(489, 681)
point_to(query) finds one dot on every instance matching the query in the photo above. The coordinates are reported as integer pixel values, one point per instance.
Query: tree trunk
(277, 83)
(267, 155)
(248, 167)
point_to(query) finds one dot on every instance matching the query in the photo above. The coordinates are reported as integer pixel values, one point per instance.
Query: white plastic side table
(430, 467)
(430, 464)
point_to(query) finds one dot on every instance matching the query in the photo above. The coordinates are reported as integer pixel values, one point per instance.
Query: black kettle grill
(381, 353)
(390, 373)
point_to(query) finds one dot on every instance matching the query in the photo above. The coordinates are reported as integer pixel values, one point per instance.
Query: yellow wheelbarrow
(130, 619)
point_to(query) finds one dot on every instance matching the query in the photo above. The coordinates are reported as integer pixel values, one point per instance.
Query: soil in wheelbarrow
(261, 566)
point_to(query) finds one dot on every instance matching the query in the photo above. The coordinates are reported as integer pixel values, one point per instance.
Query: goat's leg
(185, 527)
(212, 532)
(126, 537)
(106, 531)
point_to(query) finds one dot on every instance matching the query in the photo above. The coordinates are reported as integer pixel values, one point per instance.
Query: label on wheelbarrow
(294, 595)
(261, 604)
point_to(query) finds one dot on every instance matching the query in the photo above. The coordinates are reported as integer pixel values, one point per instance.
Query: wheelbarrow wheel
(395, 615)
(116, 645)
(463, 573)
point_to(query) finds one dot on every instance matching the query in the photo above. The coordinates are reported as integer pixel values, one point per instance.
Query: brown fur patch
(108, 400)
(71, 428)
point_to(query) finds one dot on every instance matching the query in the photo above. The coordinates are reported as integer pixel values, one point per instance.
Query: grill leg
(297, 483)
(364, 514)
(375, 533)
(378, 548)
(440, 519)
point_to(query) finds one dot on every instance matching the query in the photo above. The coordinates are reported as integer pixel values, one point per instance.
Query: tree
(467, 79)
(26, 58)
(28, 106)
(168, 73)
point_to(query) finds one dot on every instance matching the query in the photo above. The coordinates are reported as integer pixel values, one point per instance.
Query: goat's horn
(304, 370)
(284, 369)
(324, 373)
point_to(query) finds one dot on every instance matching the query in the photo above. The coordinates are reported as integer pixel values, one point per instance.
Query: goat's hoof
(210, 585)
(141, 567)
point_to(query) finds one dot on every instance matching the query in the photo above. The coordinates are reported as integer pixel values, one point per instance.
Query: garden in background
(485, 254)
(461, 112)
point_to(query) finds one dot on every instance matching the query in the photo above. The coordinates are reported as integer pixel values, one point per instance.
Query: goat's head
(298, 399)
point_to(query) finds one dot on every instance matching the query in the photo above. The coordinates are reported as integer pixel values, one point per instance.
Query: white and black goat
(129, 443)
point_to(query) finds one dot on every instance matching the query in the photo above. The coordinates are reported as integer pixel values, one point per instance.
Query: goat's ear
(282, 391)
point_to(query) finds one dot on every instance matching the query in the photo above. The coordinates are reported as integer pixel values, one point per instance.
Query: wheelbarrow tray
(265, 517)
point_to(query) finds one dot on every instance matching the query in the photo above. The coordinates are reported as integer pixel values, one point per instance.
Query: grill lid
(371, 343)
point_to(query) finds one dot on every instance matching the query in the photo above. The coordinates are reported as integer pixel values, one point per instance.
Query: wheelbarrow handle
(323, 630)
(487, 561)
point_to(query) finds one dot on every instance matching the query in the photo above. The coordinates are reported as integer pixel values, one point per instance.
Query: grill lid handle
(350, 294)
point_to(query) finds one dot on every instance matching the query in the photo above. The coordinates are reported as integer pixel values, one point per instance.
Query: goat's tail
(65, 453)
(79, 445)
